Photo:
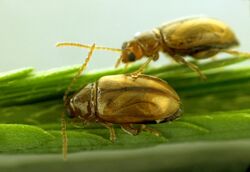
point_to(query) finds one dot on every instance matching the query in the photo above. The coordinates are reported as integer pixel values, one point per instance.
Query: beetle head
(79, 105)
(131, 51)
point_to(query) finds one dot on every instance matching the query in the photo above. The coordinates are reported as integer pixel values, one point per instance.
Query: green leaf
(17, 137)
(214, 124)
(15, 74)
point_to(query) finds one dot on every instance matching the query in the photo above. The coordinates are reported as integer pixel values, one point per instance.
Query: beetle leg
(141, 69)
(143, 127)
(118, 62)
(214, 58)
(64, 137)
(77, 123)
(128, 128)
(233, 52)
(126, 67)
(111, 129)
(190, 65)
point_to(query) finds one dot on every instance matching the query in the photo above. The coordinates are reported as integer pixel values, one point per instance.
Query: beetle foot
(192, 66)
(203, 77)
(128, 128)
(112, 136)
(197, 70)
(155, 132)
(135, 75)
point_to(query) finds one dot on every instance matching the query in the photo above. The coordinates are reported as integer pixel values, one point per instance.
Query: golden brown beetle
(123, 100)
(198, 37)
(120, 99)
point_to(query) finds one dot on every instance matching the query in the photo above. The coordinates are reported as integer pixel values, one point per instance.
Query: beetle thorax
(143, 44)
(82, 104)
(150, 42)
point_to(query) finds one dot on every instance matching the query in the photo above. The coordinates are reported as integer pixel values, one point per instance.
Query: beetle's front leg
(192, 66)
(142, 68)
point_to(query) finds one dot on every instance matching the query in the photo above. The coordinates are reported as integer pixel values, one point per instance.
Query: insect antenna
(66, 99)
(74, 44)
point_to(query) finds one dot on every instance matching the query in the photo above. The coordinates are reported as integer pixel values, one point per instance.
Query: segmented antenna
(74, 44)
(65, 99)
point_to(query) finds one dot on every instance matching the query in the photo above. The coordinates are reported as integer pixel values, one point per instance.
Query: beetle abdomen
(122, 99)
(198, 32)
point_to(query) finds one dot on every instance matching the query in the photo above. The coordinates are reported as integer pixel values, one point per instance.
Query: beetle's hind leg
(155, 132)
(128, 128)
(237, 53)
(192, 66)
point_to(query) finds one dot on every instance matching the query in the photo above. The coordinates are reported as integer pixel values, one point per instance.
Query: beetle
(123, 100)
(198, 37)
(120, 99)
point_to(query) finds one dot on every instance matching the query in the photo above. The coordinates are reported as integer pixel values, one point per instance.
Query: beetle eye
(131, 57)
(69, 113)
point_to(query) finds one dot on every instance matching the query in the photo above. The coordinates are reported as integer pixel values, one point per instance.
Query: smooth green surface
(16, 137)
(229, 156)
(215, 123)
(207, 126)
